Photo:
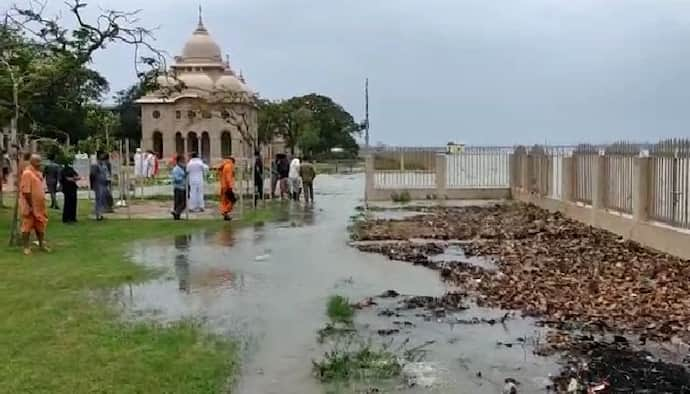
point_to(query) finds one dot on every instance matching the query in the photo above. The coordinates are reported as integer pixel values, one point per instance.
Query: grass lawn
(54, 338)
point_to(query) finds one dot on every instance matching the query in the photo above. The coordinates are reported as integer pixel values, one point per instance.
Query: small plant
(339, 309)
(360, 361)
(402, 197)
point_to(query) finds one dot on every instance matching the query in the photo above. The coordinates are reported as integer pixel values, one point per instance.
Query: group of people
(34, 175)
(292, 177)
(146, 164)
(188, 180)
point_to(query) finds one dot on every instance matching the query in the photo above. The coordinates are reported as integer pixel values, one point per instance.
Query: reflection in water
(226, 237)
(182, 262)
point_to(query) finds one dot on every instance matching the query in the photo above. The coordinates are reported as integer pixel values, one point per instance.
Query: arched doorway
(158, 143)
(179, 143)
(205, 147)
(226, 144)
(192, 142)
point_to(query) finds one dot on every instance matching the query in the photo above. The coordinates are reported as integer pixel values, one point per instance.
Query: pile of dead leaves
(556, 268)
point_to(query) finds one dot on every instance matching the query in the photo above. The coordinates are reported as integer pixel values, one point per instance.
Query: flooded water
(267, 288)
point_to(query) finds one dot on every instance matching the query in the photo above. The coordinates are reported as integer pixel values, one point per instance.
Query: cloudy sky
(474, 71)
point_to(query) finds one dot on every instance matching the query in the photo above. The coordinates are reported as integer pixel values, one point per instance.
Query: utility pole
(366, 113)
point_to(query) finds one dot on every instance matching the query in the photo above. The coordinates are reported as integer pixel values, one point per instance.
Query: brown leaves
(557, 268)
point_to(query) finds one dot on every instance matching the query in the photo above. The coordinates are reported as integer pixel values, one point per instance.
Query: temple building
(200, 105)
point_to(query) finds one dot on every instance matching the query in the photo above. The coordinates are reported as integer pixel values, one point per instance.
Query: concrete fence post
(641, 195)
(599, 182)
(567, 178)
(369, 177)
(441, 176)
(524, 173)
(511, 171)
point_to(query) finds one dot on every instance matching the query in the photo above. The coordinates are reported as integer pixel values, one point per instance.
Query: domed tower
(200, 105)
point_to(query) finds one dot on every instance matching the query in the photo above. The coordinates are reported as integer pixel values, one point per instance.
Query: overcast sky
(473, 71)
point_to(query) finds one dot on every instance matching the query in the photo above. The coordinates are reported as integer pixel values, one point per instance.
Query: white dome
(201, 48)
(232, 84)
(166, 81)
(197, 81)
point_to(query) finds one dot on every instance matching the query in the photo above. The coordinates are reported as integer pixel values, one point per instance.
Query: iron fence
(405, 167)
(584, 162)
(619, 160)
(478, 167)
(669, 184)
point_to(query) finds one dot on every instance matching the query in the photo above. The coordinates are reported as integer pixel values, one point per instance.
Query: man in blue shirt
(179, 182)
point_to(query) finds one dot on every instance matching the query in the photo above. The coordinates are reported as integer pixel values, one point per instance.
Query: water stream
(267, 287)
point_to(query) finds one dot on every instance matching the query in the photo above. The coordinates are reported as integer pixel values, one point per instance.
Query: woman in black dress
(68, 180)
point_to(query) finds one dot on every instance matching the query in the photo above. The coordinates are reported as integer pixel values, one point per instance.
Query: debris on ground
(510, 386)
(422, 374)
(603, 367)
(579, 280)
(628, 288)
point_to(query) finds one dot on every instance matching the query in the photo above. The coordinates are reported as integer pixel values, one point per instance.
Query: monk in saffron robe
(227, 183)
(32, 202)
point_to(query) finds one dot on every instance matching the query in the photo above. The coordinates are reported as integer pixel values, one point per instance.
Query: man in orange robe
(227, 183)
(33, 204)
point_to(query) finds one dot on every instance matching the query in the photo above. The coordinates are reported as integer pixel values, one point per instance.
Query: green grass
(56, 337)
(339, 309)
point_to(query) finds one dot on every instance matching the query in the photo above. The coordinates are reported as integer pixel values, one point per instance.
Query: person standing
(227, 183)
(99, 183)
(139, 164)
(179, 182)
(150, 164)
(308, 173)
(274, 177)
(110, 202)
(196, 170)
(293, 179)
(51, 173)
(33, 208)
(68, 181)
(283, 174)
(258, 178)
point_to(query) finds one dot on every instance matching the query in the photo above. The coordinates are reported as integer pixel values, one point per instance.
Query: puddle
(395, 214)
(456, 254)
(267, 288)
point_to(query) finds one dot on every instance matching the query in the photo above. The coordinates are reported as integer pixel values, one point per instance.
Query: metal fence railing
(584, 161)
(478, 167)
(619, 160)
(669, 186)
(405, 167)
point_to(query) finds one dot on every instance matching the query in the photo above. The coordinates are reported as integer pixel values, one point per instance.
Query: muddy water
(267, 287)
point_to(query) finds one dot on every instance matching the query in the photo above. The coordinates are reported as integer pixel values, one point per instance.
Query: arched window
(179, 143)
(226, 144)
(205, 147)
(158, 143)
(192, 142)
(156, 114)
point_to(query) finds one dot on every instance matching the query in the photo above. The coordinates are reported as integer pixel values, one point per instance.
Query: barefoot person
(33, 204)
(179, 181)
(227, 183)
(197, 170)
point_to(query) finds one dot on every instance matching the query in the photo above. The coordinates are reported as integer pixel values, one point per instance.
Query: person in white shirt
(196, 170)
(150, 164)
(139, 164)
(294, 179)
